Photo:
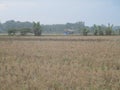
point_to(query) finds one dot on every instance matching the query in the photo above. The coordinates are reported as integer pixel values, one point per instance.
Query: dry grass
(60, 65)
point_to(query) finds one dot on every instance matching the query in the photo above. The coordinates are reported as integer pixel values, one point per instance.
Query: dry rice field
(60, 63)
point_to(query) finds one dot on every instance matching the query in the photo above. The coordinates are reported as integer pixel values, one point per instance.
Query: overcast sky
(61, 11)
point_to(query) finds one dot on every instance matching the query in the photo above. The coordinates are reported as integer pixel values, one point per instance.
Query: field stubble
(60, 65)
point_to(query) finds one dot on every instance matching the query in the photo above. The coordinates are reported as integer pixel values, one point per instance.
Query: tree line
(98, 30)
(36, 30)
(23, 28)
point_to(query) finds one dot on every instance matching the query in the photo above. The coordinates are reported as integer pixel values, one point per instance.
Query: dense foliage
(37, 29)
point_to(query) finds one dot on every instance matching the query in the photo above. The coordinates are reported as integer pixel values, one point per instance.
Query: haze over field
(61, 11)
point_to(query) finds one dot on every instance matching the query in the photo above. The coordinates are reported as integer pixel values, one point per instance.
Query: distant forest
(75, 28)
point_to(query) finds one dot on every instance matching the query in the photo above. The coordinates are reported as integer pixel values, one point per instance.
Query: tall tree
(109, 30)
(95, 30)
(119, 31)
(37, 29)
(85, 31)
(100, 31)
(1, 27)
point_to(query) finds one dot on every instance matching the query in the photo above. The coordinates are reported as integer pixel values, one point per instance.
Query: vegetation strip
(51, 39)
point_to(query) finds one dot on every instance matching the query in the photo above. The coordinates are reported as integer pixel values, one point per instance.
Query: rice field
(60, 63)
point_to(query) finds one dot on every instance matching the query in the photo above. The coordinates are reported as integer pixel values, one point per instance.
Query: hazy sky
(61, 11)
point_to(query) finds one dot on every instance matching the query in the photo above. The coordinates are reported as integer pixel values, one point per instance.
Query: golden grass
(60, 65)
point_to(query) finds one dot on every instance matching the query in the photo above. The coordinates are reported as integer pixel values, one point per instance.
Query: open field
(60, 38)
(60, 63)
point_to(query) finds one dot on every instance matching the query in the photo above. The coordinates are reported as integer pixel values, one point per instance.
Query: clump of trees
(102, 30)
(85, 31)
(109, 29)
(98, 30)
(22, 31)
(37, 29)
(12, 32)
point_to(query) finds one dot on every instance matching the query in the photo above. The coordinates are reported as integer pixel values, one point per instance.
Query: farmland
(60, 63)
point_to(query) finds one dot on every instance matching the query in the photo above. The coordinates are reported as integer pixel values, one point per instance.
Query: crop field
(60, 63)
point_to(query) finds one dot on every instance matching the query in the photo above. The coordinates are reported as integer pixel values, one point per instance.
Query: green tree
(119, 31)
(37, 29)
(109, 30)
(1, 27)
(12, 32)
(85, 31)
(100, 31)
(95, 30)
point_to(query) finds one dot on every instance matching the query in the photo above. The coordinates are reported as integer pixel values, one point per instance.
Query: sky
(61, 11)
